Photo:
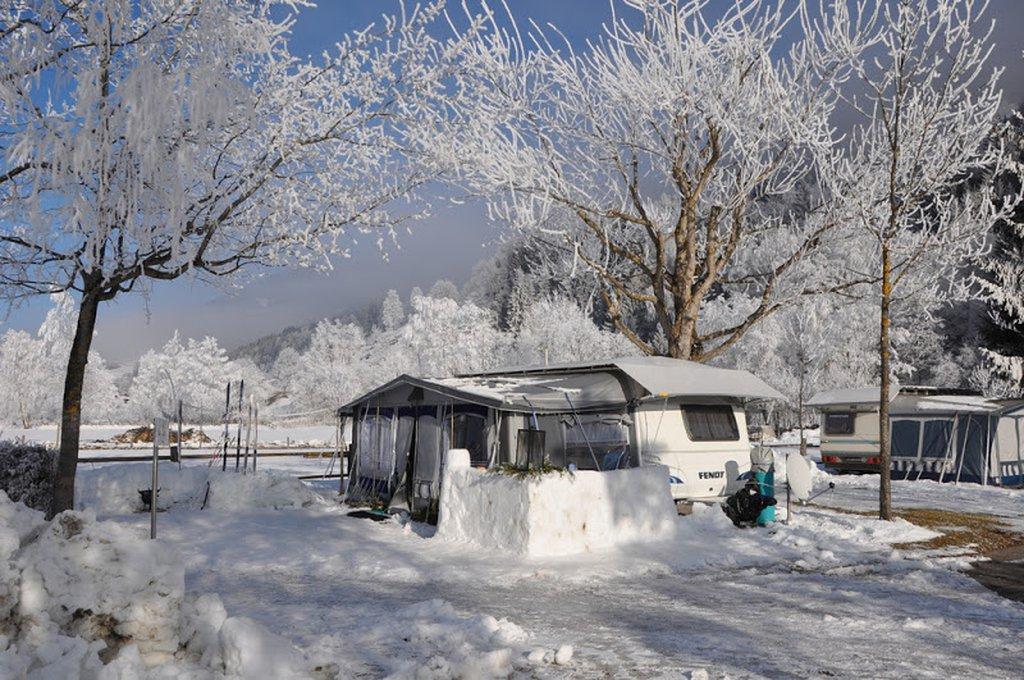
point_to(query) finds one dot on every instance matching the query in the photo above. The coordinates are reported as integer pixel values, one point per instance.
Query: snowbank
(86, 599)
(555, 513)
(114, 489)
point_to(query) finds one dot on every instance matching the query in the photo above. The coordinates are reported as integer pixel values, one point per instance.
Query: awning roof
(587, 386)
(542, 394)
(664, 377)
(909, 399)
(853, 396)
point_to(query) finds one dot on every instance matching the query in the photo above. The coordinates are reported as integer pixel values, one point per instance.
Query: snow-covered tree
(32, 372)
(445, 337)
(334, 369)
(194, 371)
(23, 394)
(660, 153)
(1001, 276)
(392, 311)
(149, 139)
(443, 288)
(925, 104)
(557, 330)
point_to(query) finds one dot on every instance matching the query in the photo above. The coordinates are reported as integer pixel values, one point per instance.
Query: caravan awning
(909, 400)
(662, 377)
(528, 394)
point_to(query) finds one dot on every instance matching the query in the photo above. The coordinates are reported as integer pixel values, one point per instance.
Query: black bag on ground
(745, 505)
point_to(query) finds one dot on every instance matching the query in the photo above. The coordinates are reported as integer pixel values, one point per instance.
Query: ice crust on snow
(114, 489)
(554, 513)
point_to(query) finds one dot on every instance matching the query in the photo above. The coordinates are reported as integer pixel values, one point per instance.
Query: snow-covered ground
(827, 595)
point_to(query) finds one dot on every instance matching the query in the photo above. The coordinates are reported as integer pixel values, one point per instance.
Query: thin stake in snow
(227, 434)
(238, 429)
(155, 480)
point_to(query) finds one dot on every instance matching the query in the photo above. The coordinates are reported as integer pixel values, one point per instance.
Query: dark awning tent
(423, 417)
(943, 434)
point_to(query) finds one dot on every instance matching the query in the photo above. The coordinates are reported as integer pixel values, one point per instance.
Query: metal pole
(227, 433)
(248, 436)
(180, 442)
(155, 482)
(256, 436)
(238, 430)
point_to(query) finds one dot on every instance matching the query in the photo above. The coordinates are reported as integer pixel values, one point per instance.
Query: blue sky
(446, 245)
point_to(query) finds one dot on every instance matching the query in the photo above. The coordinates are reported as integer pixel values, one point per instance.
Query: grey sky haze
(446, 245)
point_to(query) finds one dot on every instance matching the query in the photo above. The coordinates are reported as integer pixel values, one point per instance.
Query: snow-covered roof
(849, 396)
(664, 377)
(910, 399)
(595, 385)
(547, 394)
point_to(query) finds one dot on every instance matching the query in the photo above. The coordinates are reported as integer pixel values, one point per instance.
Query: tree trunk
(884, 438)
(71, 410)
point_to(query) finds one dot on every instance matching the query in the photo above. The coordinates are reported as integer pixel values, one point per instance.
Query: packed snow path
(822, 598)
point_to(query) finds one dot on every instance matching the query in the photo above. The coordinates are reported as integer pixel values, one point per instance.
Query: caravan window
(595, 442)
(711, 423)
(906, 438)
(935, 442)
(839, 423)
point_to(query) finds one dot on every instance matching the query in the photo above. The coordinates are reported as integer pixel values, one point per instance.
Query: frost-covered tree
(443, 288)
(23, 394)
(392, 311)
(659, 155)
(194, 371)
(335, 368)
(925, 104)
(144, 140)
(557, 330)
(1001, 276)
(445, 337)
(32, 372)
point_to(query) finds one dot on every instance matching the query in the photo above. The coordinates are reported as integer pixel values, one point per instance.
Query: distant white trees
(333, 370)
(32, 372)
(445, 337)
(193, 371)
(557, 330)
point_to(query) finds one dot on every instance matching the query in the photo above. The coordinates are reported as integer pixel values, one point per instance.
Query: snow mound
(114, 489)
(556, 513)
(81, 598)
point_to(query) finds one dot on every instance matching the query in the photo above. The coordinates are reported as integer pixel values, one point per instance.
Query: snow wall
(554, 514)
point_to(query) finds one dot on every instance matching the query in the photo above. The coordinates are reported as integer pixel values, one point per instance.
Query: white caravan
(941, 434)
(601, 415)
